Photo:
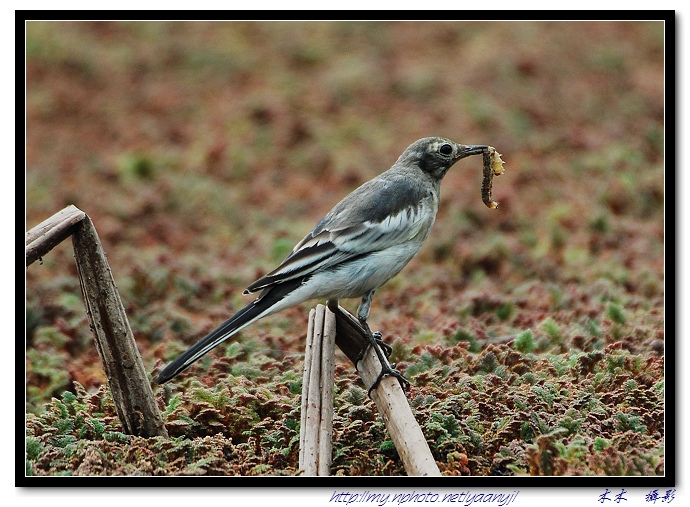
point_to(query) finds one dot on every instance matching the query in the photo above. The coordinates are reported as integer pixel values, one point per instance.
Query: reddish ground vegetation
(533, 335)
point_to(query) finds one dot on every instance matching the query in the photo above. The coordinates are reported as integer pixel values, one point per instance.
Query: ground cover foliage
(533, 335)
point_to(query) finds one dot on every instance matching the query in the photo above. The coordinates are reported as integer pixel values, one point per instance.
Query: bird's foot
(376, 336)
(383, 352)
(389, 369)
(387, 349)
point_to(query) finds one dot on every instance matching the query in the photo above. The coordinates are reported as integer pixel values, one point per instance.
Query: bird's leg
(363, 314)
(377, 343)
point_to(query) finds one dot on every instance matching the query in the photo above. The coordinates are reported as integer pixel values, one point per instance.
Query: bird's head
(435, 155)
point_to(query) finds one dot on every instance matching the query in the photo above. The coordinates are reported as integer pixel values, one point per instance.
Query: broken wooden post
(316, 428)
(45, 236)
(124, 368)
(389, 396)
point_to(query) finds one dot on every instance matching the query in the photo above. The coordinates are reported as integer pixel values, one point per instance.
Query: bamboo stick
(45, 236)
(406, 434)
(124, 368)
(308, 358)
(316, 429)
(327, 379)
(389, 397)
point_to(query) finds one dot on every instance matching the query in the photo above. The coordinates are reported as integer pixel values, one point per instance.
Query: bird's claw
(390, 370)
(383, 352)
(385, 348)
(386, 367)
(378, 338)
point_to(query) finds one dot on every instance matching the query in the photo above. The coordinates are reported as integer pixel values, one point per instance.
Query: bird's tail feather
(260, 307)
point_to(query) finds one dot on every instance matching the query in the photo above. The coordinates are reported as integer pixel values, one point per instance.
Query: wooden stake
(316, 429)
(389, 397)
(396, 413)
(327, 379)
(124, 369)
(45, 236)
(129, 385)
(308, 358)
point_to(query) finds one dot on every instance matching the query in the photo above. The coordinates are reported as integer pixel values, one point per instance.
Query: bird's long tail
(265, 304)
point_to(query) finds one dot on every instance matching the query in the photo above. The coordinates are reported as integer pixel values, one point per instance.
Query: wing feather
(343, 234)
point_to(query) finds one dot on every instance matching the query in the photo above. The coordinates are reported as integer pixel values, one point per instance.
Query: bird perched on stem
(365, 240)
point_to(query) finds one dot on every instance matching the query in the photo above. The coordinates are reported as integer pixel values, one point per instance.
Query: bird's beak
(466, 151)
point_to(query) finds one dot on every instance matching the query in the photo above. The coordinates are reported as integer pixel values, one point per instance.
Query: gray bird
(365, 240)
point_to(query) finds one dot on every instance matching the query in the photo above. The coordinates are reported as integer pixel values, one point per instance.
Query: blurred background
(203, 151)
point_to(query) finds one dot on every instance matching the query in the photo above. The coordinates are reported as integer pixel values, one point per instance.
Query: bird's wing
(343, 235)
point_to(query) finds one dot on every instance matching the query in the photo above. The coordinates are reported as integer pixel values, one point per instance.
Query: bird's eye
(446, 149)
